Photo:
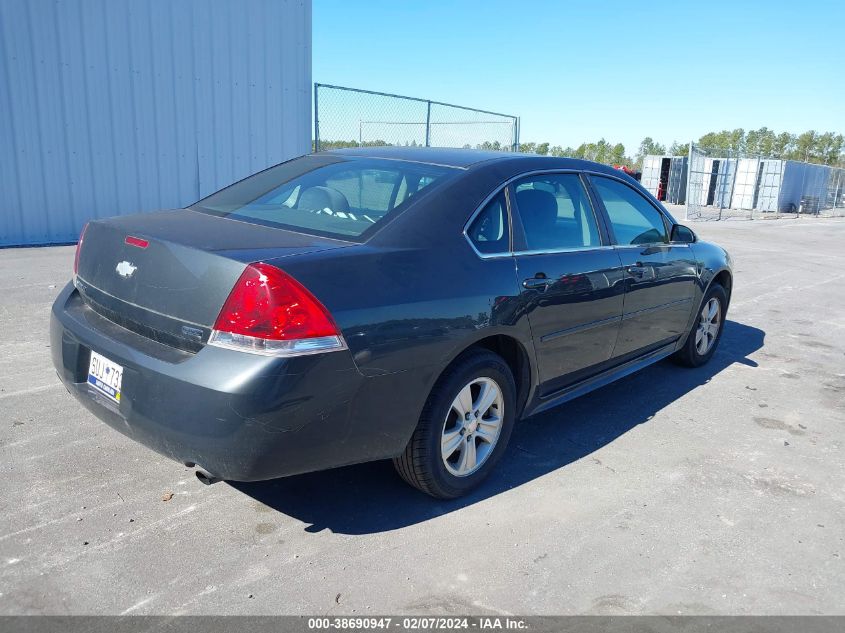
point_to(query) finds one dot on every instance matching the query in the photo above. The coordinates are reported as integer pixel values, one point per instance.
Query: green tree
(679, 149)
(736, 141)
(828, 148)
(648, 146)
(724, 143)
(782, 145)
(760, 142)
(805, 145)
(557, 150)
(617, 155)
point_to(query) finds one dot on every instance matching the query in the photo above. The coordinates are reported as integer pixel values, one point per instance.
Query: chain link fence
(348, 117)
(734, 185)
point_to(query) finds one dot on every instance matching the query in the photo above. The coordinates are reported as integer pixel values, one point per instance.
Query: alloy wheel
(708, 326)
(472, 427)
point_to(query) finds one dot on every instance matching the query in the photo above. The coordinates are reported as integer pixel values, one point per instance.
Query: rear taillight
(269, 312)
(78, 250)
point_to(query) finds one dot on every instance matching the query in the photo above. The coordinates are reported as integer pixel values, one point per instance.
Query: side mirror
(683, 234)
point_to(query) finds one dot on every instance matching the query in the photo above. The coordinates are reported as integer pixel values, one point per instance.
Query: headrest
(537, 208)
(318, 198)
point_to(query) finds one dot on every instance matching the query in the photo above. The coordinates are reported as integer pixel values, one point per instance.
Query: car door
(659, 276)
(571, 277)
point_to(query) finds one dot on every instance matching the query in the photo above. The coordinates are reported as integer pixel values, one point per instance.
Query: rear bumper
(240, 416)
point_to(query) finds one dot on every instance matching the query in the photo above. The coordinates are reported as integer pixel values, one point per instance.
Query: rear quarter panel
(405, 314)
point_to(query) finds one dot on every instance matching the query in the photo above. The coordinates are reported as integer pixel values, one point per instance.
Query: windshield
(326, 195)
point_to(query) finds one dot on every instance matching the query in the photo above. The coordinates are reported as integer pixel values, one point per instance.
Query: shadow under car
(370, 498)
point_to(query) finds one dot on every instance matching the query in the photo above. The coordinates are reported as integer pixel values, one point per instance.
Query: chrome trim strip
(321, 345)
(654, 245)
(574, 249)
(663, 306)
(496, 191)
(580, 328)
(537, 172)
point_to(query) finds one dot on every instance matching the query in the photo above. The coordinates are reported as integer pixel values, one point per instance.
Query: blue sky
(579, 71)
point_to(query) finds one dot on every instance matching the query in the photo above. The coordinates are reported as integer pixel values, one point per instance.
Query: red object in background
(631, 172)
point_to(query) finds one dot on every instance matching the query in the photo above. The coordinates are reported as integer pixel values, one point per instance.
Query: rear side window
(556, 212)
(633, 218)
(490, 231)
(333, 197)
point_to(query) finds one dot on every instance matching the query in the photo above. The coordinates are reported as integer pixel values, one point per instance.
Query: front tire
(707, 330)
(464, 427)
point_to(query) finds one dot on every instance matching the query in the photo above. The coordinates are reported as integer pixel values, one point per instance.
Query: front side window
(556, 212)
(489, 231)
(332, 197)
(633, 218)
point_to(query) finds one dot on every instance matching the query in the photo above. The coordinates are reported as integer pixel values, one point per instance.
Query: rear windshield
(323, 195)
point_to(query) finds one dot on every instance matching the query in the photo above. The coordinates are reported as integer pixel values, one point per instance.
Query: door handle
(537, 282)
(636, 271)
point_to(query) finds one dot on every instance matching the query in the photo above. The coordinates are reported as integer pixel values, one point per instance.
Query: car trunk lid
(169, 280)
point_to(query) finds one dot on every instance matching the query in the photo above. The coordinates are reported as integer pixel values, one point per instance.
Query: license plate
(105, 376)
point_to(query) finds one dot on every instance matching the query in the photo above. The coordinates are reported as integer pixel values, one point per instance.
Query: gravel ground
(717, 490)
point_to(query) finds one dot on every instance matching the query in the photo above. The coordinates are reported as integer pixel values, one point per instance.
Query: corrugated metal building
(110, 107)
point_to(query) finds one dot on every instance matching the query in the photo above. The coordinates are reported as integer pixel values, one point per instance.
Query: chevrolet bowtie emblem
(125, 269)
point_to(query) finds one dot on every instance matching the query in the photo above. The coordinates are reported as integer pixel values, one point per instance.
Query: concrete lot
(717, 490)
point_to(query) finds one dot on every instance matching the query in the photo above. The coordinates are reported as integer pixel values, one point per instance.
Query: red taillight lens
(78, 250)
(269, 312)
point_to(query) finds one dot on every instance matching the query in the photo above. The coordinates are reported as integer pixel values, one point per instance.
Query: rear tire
(706, 332)
(464, 427)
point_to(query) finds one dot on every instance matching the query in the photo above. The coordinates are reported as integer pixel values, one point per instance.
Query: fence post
(316, 121)
(803, 184)
(733, 183)
(516, 122)
(755, 192)
(428, 124)
(689, 181)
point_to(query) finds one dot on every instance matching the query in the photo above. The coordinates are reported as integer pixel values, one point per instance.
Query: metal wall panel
(650, 178)
(110, 107)
(745, 183)
(676, 191)
(724, 182)
(702, 180)
(770, 179)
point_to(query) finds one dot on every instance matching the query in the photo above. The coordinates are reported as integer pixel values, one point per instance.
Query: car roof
(465, 158)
